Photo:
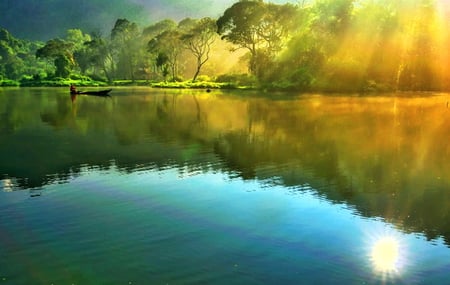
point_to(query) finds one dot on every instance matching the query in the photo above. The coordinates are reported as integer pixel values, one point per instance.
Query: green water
(188, 187)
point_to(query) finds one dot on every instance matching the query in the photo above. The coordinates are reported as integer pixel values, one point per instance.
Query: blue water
(163, 227)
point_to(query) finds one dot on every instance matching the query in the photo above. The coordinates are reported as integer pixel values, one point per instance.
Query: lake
(157, 186)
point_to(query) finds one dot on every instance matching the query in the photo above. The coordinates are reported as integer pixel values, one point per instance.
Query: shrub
(9, 83)
(80, 77)
(237, 79)
(203, 78)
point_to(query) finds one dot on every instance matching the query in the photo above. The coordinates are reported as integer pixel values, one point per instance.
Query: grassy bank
(234, 81)
(90, 83)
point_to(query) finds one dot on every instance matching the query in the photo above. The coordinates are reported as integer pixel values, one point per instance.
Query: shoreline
(208, 85)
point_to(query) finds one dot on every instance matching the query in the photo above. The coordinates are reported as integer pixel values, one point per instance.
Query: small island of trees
(322, 45)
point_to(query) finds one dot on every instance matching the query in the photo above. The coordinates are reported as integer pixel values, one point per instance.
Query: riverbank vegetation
(321, 45)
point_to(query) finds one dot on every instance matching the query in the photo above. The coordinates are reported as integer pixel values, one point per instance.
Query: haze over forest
(46, 19)
(310, 45)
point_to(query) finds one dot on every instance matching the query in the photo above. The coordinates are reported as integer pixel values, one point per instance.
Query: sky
(191, 8)
(47, 19)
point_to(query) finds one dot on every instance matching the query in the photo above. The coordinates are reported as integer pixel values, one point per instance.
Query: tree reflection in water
(386, 155)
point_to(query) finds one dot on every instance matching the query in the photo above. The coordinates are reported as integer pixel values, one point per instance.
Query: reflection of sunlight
(385, 254)
(7, 185)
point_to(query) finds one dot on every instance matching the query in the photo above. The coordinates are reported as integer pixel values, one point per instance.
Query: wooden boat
(96, 93)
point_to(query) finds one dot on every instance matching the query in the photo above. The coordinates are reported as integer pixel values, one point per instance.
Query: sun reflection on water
(6, 185)
(385, 254)
(388, 255)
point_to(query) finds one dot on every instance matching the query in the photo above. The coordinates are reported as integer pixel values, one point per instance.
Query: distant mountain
(47, 19)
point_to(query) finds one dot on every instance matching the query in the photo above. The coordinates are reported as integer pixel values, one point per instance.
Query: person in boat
(73, 89)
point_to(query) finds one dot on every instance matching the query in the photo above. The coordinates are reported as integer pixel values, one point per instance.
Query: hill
(42, 20)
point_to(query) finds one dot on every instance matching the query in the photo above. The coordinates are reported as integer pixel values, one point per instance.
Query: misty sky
(190, 8)
(46, 19)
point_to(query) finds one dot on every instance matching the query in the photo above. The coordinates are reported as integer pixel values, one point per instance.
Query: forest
(321, 45)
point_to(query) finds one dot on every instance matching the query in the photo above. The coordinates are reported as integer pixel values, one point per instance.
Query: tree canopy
(323, 45)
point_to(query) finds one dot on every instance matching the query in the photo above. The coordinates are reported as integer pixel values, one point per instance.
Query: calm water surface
(188, 187)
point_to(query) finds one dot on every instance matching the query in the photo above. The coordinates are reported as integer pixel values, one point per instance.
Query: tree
(276, 26)
(239, 25)
(161, 62)
(158, 28)
(261, 28)
(60, 51)
(14, 59)
(80, 52)
(6, 55)
(96, 55)
(375, 24)
(167, 46)
(310, 58)
(332, 17)
(155, 62)
(417, 71)
(77, 38)
(198, 40)
(125, 42)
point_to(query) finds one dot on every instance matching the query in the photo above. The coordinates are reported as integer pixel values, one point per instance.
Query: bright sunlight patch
(385, 254)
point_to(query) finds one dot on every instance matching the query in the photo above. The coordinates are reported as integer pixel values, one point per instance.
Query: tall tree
(125, 41)
(7, 55)
(261, 28)
(198, 40)
(168, 47)
(276, 26)
(95, 56)
(15, 59)
(239, 25)
(155, 63)
(417, 68)
(375, 31)
(80, 51)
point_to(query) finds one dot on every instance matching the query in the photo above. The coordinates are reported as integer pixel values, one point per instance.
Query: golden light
(386, 254)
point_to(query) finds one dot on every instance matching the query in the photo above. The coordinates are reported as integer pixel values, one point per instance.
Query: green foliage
(80, 77)
(124, 31)
(77, 38)
(190, 84)
(14, 56)
(59, 82)
(125, 46)
(95, 58)
(61, 52)
(324, 45)
(240, 24)
(236, 80)
(259, 27)
(55, 48)
(9, 83)
(332, 17)
(63, 66)
(301, 78)
(338, 75)
(96, 77)
(157, 28)
(167, 47)
(206, 78)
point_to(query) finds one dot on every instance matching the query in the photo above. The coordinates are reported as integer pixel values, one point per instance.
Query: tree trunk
(197, 72)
